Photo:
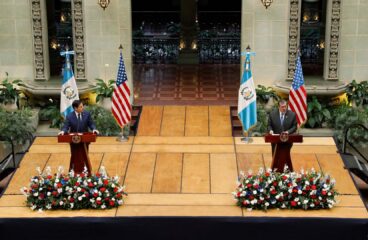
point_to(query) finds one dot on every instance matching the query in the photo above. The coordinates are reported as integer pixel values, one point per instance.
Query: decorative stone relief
(39, 61)
(334, 40)
(293, 36)
(78, 39)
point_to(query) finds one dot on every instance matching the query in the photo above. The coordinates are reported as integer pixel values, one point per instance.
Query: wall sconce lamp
(103, 3)
(266, 3)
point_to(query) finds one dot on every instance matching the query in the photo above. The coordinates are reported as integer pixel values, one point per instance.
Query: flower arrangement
(73, 191)
(287, 190)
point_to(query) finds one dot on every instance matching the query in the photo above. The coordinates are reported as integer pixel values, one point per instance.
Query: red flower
(95, 194)
(238, 194)
(267, 174)
(314, 187)
(98, 175)
(42, 196)
(324, 193)
(307, 188)
(313, 196)
(327, 180)
(251, 197)
(118, 195)
(256, 186)
(34, 186)
(273, 191)
(295, 190)
(102, 189)
(71, 200)
(249, 185)
(105, 182)
(90, 185)
(59, 185)
(82, 175)
(112, 203)
(107, 199)
(77, 184)
(115, 190)
(289, 184)
(293, 203)
(98, 202)
(245, 203)
(261, 179)
(49, 176)
(284, 177)
(316, 203)
(274, 184)
(54, 193)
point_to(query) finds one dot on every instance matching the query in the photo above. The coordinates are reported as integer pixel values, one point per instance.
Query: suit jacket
(289, 124)
(71, 123)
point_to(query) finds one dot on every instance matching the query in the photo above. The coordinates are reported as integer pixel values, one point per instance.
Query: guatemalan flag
(247, 106)
(69, 90)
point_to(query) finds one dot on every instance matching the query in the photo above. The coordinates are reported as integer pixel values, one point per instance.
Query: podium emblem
(76, 139)
(284, 137)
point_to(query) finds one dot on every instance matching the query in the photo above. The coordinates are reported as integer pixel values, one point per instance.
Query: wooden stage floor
(190, 173)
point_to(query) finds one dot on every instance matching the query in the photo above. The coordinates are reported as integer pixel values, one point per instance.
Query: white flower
(307, 183)
(92, 200)
(120, 202)
(305, 201)
(261, 190)
(79, 189)
(57, 180)
(80, 198)
(95, 183)
(296, 199)
(71, 205)
(35, 194)
(89, 180)
(290, 190)
(48, 194)
(112, 185)
(33, 207)
(98, 199)
(330, 205)
(329, 193)
(60, 190)
(48, 206)
(300, 191)
(312, 205)
(255, 192)
(103, 206)
(267, 204)
(61, 203)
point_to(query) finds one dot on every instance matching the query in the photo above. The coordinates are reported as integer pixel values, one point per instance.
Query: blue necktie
(282, 119)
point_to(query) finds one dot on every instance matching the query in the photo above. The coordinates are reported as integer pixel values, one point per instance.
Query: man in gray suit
(282, 120)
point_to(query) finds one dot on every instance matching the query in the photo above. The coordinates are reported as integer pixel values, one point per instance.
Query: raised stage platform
(185, 163)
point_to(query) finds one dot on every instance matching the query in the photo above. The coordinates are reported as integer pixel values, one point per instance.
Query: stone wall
(266, 31)
(105, 30)
(16, 39)
(354, 41)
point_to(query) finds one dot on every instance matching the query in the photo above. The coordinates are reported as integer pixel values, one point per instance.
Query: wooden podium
(281, 154)
(79, 150)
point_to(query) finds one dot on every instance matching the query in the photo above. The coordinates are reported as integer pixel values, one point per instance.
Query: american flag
(298, 94)
(121, 108)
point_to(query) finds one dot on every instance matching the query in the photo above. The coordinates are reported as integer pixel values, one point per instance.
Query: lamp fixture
(103, 3)
(266, 3)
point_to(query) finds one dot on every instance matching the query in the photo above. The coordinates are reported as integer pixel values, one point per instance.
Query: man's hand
(96, 131)
(61, 133)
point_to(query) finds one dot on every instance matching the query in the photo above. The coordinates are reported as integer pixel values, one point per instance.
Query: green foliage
(357, 92)
(265, 93)
(16, 125)
(9, 90)
(262, 121)
(318, 113)
(104, 120)
(348, 117)
(52, 113)
(104, 89)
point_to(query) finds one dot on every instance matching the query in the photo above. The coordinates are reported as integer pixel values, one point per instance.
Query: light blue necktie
(282, 119)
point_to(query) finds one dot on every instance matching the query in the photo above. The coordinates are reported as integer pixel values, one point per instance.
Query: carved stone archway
(40, 42)
(332, 49)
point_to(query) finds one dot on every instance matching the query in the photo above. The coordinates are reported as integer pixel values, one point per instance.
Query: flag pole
(122, 137)
(247, 133)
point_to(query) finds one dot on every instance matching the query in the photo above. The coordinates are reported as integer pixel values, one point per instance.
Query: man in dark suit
(78, 120)
(283, 121)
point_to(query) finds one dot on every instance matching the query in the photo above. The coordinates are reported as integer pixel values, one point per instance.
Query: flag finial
(121, 47)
